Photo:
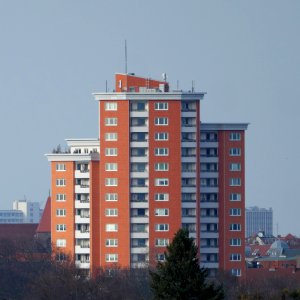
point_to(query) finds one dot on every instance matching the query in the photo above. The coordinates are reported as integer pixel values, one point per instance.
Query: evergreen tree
(180, 276)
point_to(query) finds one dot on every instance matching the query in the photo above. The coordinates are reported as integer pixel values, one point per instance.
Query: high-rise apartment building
(155, 168)
(259, 220)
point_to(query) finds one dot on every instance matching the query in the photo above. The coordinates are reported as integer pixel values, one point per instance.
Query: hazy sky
(244, 54)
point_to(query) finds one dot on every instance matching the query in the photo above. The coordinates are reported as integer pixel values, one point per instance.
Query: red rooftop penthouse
(155, 168)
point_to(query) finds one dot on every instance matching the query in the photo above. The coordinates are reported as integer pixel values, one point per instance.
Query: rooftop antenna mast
(125, 57)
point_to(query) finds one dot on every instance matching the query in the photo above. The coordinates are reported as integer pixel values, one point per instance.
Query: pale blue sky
(244, 54)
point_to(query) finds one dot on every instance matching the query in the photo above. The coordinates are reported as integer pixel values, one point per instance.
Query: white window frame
(161, 151)
(111, 243)
(235, 136)
(60, 167)
(109, 106)
(235, 197)
(161, 106)
(161, 166)
(111, 227)
(235, 181)
(235, 212)
(235, 152)
(111, 181)
(111, 212)
(111, 136)
(161, 242)
(161, 212)
(162, 227)
(60, 182)
(235, 257)
(111, 151)
(111, 197)
(161, 197)
(235, 167)
(61, 227)
(111, 167)
(61, 243)
(111, 257)
(235, 242)
(235, 227)
(161, 181)
(61, 212)
(161, 136)
(111, 121)
(161, 121)
(60, 197)
(236, 272)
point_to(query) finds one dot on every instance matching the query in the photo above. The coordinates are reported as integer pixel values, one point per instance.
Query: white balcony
(209, 250)
(82, 220)
(82, 265)
(191, 144)
(208, 220)
(81, 189)
(209, 159)
(207, 189)
(139, 205)
(188, 114)
(189, 159)
(143, 144)
(139, 220)
(137, 189)
(81, 174)
(192, 128)
(144, 128)
(188, 190)
(189, 174)
(139, 235)
(204, 174)
(82, 250)
(209, 204)
(82, 204)
(207, 235)
(81, 235)
(209, 144)
(134, 159)
(140, 114)
(139, 250)
(189, 220)
(210, 265)
(139, 174)
(189, 204)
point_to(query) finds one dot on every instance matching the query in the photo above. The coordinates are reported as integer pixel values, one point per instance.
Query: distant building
(22, 212)
(259, 220)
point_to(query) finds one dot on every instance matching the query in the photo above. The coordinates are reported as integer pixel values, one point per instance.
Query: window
(111, 212)
(161, 227)
(235, 152)
(236, 272)
(161, 121)
(161, 242)
(61, 243)
(235, 257)
(111, 121)
(235, 167)
(161, 212)
(111, 167)
(235, 227)
(161, 197)
(111, 151)
(60, 197)
(161, 151)
(161, 181)
(235, 136)
(111, 136)
(235, 182)
(61, 227)
(60, 212)
(111, 243)
(160, 257)
(235, 242)
(111, 181)
(161, 167)
(60, 167)
(111, 227)
(235, 212)
(161, 136)
(111, 197)
(111, 106)
(60, 182)
(235, 197)
(161, 105)
(111, 257)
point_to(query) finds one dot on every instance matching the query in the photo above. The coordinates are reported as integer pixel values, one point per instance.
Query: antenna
(106, 86)
(193, 86)
(177, 85)
(125, 57)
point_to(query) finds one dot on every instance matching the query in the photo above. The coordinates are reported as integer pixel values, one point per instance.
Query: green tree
(180, 276)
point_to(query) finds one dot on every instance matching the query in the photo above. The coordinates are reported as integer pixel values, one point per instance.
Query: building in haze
(22, 212)
(259, 220)
(155, 167)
